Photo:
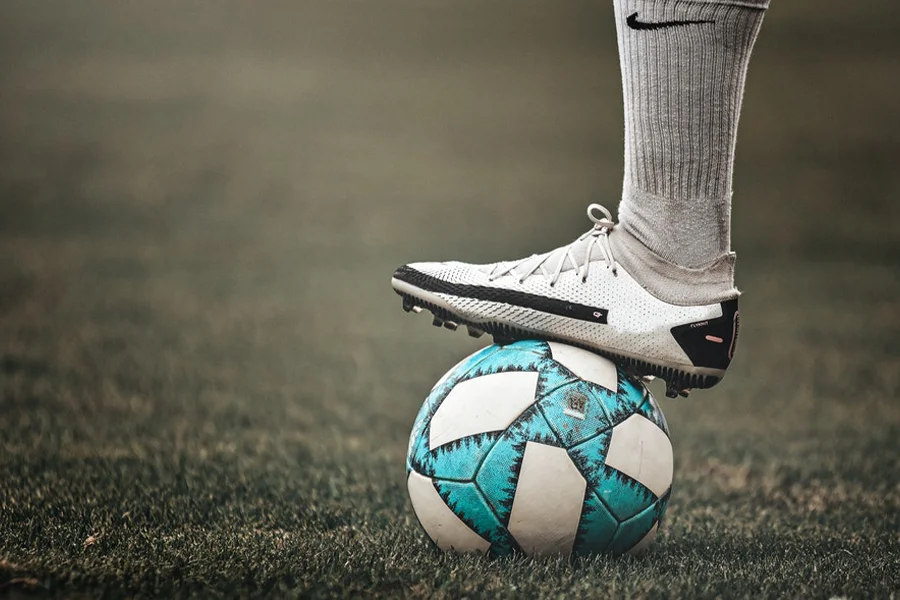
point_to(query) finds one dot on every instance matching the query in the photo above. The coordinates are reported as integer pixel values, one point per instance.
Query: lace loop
(597, 236)
(604, 222)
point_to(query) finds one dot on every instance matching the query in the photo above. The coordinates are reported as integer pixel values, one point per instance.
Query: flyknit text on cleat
(578, 294)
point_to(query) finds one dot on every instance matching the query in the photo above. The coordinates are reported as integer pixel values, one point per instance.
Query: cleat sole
(679, 382)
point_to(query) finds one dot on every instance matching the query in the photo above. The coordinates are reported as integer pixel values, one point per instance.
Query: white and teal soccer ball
(539, 448)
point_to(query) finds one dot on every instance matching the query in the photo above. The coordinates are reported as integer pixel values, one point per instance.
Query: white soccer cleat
(579, 295)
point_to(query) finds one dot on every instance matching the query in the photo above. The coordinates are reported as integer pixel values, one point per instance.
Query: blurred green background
(206, 382)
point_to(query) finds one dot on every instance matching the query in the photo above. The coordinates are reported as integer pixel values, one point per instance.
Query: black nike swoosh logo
(632, 21)
(514, 297)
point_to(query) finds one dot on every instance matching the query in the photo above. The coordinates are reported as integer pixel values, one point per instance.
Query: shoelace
(598, 236)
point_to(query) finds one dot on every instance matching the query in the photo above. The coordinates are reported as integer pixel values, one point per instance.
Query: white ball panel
(482, 404)
(645, 542)
(439, 522)
(586, 365)
(547, 506)
(642, 451)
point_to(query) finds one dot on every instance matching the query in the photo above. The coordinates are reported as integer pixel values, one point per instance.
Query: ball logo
(575, 405)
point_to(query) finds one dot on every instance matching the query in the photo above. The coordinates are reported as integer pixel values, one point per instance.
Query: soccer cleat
(579, 295)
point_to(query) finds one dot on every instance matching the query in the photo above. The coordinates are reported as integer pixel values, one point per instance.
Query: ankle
(672, 283)
(690, 232)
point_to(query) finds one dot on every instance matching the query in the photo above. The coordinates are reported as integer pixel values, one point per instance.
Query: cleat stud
(674, 390)
(437, 322)
(451, 325)
(407, 303)
(474, 331)
(417, 309)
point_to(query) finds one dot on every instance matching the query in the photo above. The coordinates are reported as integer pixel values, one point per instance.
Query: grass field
(206, 382)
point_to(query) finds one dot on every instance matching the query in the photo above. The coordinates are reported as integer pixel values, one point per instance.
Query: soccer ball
(541, 448)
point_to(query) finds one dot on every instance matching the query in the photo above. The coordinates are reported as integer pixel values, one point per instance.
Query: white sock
(683, 64)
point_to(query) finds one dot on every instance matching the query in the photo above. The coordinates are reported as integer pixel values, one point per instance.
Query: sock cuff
(669, 282)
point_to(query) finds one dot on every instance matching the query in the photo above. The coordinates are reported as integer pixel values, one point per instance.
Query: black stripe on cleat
(553, 306)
